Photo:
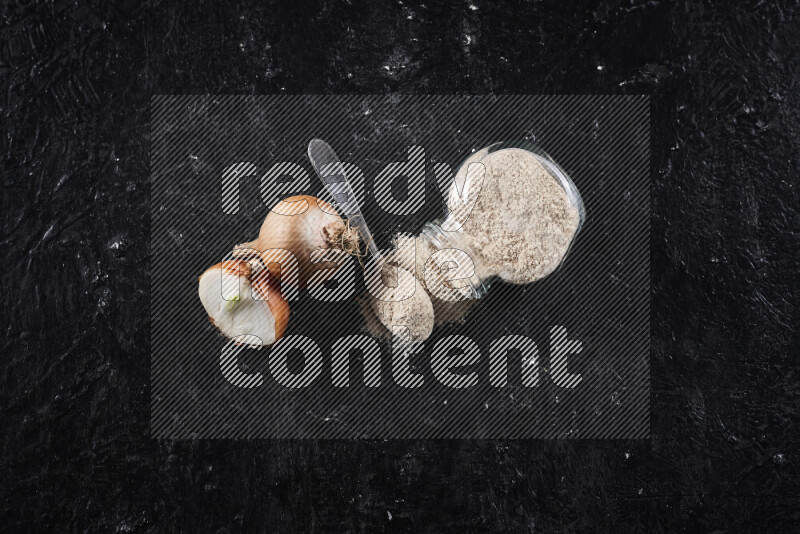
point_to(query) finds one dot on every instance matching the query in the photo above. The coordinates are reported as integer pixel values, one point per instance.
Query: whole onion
(301, 225)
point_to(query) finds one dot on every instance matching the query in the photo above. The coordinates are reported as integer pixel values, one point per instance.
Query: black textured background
(76, 86)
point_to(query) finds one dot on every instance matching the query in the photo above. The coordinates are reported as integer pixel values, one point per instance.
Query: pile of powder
(450, 294)
(523, 222)
(414, 312)
(433, 301)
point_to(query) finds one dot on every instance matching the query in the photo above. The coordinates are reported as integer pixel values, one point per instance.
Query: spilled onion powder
(414, 312)
(451, 301)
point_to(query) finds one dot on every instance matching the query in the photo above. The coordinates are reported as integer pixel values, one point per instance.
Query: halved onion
(242, 300)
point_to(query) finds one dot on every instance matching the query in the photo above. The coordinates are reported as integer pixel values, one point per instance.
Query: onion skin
(298, 225)
(268, 286)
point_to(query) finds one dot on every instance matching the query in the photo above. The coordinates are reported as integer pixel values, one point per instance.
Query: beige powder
(450, 300)
(415, 312)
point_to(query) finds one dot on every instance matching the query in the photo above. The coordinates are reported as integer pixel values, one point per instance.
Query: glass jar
(516, 216)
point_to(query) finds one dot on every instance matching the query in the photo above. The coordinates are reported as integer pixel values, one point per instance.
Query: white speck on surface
(389, 515)
(600, 67)
(473, 7)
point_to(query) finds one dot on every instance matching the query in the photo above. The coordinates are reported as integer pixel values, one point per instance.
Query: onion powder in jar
(526, 215)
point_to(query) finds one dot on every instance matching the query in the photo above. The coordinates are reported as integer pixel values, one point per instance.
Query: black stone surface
(76, 80)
